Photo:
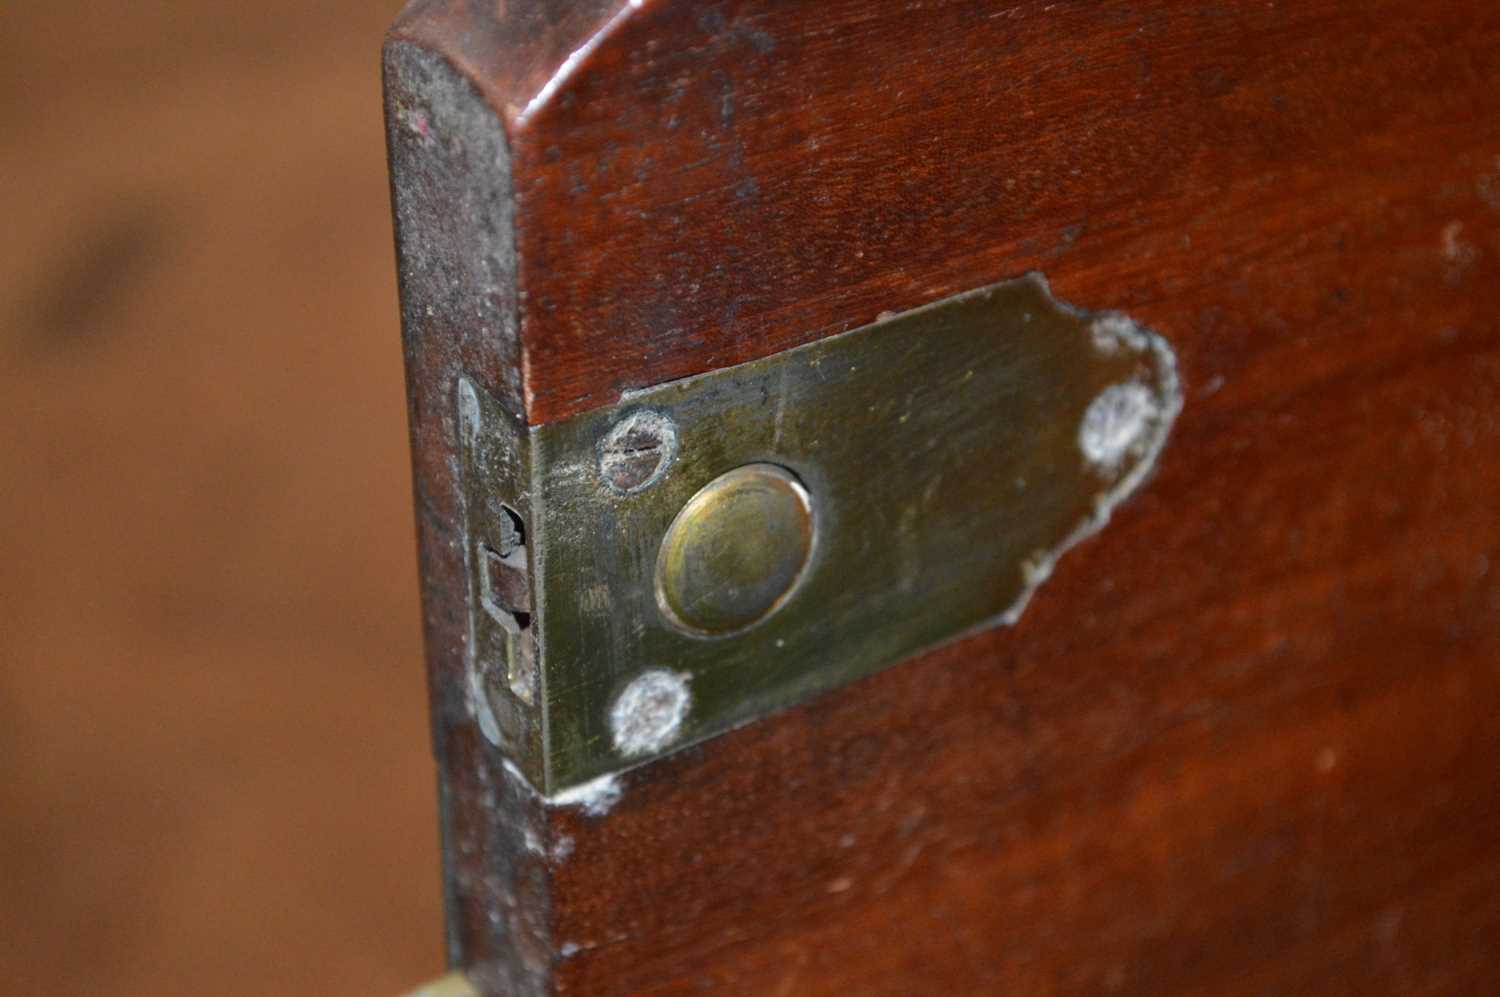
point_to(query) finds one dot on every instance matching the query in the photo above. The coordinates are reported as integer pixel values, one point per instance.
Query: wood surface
(215, 772)
(1244, 741)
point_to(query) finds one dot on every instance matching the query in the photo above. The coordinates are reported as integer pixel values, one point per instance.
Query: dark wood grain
(1243, 741)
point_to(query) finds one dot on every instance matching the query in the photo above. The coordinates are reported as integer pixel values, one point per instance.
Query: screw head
(1117, 425)
(648, 715)
(735, 551)
(636, 452)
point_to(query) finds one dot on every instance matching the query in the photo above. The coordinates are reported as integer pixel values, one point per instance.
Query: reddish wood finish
(1244, 741)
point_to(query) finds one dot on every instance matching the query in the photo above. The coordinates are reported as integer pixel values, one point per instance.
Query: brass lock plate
(711, 550)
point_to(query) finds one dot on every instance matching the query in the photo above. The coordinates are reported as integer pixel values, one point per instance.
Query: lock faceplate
(947, 457)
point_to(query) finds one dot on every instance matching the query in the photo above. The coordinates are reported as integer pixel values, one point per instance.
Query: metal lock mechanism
(710, 550)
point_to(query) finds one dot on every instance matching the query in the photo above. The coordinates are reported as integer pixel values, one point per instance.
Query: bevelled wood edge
(452, 204)
(511, 49)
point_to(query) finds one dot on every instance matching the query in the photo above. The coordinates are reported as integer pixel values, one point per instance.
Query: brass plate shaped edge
(948, 455)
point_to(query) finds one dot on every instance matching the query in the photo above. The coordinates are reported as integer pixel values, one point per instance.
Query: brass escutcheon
(736, 550)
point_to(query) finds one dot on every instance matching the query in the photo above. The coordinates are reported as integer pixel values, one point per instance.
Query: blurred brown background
(214, 764)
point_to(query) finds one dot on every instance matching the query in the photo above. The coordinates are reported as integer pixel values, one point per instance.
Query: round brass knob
(736, 550)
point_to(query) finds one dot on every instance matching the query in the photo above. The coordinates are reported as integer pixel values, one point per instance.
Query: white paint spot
(479, 706)
(533, 843)
(562, 849)
(1037, 568)
(648, 715)
(468, 410)
(1458, 251)
(595, 798)
(1113, 333)
(1116, 424)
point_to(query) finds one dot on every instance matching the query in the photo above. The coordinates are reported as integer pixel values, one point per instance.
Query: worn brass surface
(950, 455)
(735, 551)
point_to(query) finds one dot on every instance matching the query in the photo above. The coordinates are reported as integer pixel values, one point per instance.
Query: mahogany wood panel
(1244, 740)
